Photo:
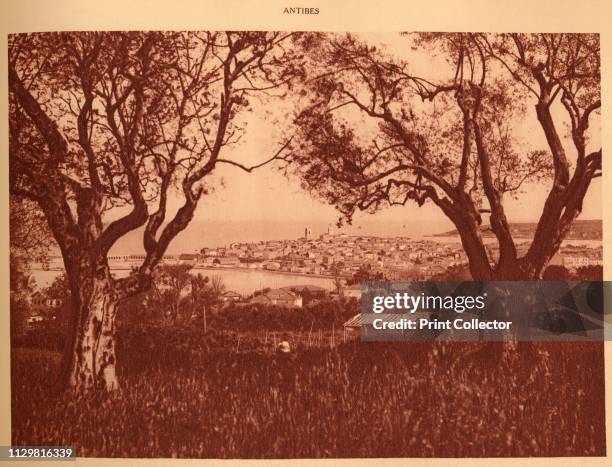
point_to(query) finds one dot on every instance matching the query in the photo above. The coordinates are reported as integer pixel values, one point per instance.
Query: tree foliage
(111, 120)
(373, 133)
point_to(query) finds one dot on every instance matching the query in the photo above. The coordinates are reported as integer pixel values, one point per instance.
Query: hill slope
(580, 230)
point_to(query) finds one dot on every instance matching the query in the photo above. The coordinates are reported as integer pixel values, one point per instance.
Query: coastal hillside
(581, 230)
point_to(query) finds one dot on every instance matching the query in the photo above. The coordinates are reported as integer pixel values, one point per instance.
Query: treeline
(253, 318)
(156, 333)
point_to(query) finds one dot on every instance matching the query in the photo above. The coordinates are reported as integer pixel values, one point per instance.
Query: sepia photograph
(194, 214)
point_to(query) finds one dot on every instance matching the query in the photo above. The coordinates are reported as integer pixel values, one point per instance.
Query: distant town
(334, 254)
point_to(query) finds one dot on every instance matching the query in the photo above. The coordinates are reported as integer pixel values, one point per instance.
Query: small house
(352, 291)
(279, 297)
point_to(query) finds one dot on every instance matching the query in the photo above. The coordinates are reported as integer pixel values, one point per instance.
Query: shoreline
(281, 273)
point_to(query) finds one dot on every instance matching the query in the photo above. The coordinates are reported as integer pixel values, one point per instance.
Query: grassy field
(355, 400)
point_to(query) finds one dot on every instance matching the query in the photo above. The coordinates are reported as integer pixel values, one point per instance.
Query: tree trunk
(511, 268)
(90, 360)
(474, 248)
(515, 270)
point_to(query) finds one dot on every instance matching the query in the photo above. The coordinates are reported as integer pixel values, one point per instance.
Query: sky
(265, 205)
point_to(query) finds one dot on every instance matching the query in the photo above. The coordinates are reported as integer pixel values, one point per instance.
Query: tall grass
(356, 400)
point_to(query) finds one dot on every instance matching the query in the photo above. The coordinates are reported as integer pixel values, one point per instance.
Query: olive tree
(105, 128)
(371, 132)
